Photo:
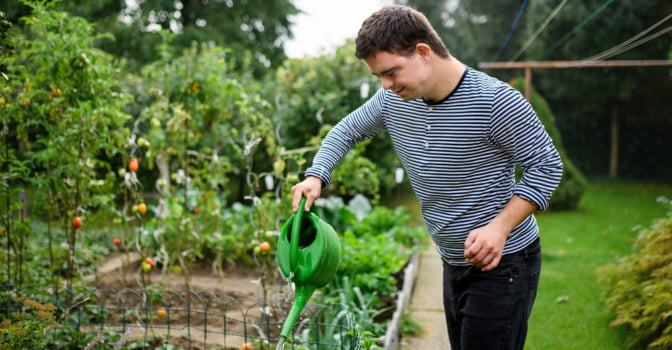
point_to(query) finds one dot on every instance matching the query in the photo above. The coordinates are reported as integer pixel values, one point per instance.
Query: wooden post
(528, 84)
(613, 153)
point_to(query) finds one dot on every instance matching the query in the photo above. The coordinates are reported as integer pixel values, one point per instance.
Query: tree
(590, 103)
(474, 30)
(255, 30)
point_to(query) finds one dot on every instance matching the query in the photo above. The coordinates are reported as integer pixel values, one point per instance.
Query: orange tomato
(264, 246)
(161, 312)
(133, 164)
(149, 261)
(197, 210)
(77, 222)
(117, 242)
(246, 346)
(142, 208)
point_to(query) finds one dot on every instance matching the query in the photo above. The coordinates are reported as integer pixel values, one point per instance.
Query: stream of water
(281, 344)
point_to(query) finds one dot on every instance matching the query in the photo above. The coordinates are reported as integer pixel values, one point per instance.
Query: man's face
(403, 75)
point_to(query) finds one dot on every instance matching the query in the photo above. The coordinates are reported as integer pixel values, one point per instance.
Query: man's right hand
(311, 188)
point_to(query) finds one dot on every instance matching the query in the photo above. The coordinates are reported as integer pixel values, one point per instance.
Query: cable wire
(577, 28)
(538, 31)
(508, 36)
(635, 44)
(624, 46)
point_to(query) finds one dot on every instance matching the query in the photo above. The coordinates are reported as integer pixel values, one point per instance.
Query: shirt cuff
(531, 195)
(320, 173)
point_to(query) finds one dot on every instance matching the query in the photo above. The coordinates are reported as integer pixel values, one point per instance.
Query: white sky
(326, 24)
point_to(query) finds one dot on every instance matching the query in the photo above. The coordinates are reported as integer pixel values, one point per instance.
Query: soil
(218, 310)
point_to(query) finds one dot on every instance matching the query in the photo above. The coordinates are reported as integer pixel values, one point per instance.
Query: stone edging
(391, 339)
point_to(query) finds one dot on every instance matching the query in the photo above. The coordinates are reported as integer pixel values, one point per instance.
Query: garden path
(426, 305)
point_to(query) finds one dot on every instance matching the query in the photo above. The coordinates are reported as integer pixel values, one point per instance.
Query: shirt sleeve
(516, 128)
(360, 125)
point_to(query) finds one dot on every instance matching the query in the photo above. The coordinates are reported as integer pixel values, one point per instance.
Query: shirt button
(426, 144)
(429, 127)
(431, 108)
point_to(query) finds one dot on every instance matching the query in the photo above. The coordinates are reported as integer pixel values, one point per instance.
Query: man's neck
(448, 73)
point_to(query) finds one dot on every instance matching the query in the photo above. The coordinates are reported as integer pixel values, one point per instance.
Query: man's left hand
(484, 246)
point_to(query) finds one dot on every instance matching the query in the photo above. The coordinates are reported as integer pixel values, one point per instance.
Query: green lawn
(570, 312)
(570, 309)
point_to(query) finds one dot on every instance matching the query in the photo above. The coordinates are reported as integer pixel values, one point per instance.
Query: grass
(570, 310)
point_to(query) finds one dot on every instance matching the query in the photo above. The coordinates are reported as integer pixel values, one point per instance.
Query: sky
(327, 24)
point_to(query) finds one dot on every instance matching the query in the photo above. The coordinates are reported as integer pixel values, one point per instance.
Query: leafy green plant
(313, 94)
(206, 129)
(28, 330)
(63, 107)
(640, 286)
(366, 283)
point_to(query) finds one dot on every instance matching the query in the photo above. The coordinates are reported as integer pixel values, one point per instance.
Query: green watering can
(308, 254)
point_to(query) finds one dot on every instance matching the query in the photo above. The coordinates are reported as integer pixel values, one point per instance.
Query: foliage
(640, 286)
(573, 184)
(28, 329)
(256, 30)
(365, 282)
(313, 94)
(63, 116)
(474, 30)
(586, 101)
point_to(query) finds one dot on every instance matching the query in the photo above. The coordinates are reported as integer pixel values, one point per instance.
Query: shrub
(573, 184)
(640, 287)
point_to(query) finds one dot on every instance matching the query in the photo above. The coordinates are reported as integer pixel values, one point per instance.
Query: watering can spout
(301, 297)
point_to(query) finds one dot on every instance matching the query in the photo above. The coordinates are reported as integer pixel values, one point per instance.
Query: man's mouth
(398, 92)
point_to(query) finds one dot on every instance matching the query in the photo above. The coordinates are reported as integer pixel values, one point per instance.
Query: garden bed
(230, 308)
(225, 311)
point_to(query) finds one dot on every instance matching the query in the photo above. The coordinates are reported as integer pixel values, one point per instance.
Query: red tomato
(77, 222)
(117, 242)
(133, 164)
(149, 261)
(264, 246)
(197, 210)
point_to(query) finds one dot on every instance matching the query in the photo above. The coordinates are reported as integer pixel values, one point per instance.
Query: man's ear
(423, 50)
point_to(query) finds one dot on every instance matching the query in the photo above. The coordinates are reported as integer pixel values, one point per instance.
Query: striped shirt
(459, 154)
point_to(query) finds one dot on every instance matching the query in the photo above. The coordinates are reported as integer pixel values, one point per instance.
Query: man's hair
(397, 29)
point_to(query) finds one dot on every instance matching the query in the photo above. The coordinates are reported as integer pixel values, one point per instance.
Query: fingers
(493, 264)
(481, 254)
(310, 188)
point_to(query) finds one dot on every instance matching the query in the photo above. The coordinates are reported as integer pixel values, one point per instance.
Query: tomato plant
(68, 119)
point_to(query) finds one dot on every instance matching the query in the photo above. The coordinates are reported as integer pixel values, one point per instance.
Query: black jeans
(489, 310)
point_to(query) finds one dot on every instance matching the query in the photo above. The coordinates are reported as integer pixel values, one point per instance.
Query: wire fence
(184, 319)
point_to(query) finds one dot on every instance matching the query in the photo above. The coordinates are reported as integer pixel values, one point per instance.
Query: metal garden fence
(184, 319)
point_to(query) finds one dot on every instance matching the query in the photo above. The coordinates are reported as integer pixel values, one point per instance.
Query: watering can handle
(296, 229)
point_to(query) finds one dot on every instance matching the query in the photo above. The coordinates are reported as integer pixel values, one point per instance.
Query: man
(459, 133)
